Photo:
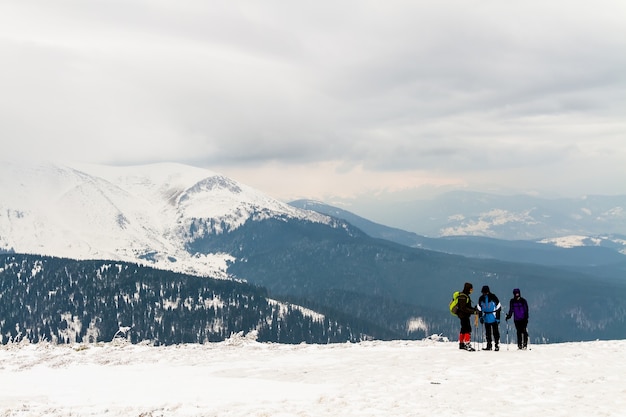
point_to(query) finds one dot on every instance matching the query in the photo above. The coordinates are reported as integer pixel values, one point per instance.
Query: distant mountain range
(195, 222)
(567, 251)
(515, 217)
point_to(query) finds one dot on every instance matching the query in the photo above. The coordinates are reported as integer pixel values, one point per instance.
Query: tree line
(70, 301)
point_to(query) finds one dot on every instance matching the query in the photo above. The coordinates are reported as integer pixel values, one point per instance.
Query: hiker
(464, 312)
(518, 308)
(489, 312)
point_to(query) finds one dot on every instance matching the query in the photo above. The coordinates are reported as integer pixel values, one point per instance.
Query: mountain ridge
(564, 251)
(506, 217)
(182, 219)
(138, 214)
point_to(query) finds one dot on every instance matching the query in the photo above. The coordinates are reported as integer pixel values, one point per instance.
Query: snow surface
(241, 377)
(486, 221)
(572, 241)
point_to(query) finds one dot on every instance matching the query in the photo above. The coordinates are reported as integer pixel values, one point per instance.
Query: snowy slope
(617, 242)
(240, 377)
(145, 214)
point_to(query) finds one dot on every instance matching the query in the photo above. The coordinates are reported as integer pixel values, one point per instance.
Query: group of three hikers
(488, 310)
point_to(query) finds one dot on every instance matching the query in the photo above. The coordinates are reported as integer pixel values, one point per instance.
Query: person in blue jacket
(518, 309)
(489, 312)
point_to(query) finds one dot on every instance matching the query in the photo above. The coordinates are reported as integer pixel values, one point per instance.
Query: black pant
(492, 329)
(466, 326)
(522, 334)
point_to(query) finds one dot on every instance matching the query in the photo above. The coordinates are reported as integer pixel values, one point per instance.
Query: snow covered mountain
(193, 221)
(146, 214)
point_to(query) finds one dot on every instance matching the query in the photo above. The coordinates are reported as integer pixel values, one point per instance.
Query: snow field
(240, 377)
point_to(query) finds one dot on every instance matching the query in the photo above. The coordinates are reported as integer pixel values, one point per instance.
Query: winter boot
(497, 348)
(488, 346)
(464, 341)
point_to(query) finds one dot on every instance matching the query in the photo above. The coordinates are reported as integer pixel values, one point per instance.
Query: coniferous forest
(68, 301)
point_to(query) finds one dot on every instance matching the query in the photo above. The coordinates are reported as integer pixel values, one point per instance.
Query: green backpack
(454, 304)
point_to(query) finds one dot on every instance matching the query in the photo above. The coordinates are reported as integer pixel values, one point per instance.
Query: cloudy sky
(326, 99)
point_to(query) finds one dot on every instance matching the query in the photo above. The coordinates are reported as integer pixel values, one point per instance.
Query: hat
(485, 289)
(516, 291)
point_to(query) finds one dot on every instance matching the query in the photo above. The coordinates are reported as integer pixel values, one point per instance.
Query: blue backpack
(488, 307)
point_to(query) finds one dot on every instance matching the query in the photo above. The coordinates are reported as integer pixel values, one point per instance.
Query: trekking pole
(483, 333)
(507, 334)
(483, 330)
(476, 328)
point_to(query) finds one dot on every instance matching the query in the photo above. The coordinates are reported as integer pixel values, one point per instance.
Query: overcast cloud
(328, 98)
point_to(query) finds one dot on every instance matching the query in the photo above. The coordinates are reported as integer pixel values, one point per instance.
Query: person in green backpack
(464, 312)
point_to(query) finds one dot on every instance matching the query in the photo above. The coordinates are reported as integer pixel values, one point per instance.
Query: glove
(482, 320)
(508, 316)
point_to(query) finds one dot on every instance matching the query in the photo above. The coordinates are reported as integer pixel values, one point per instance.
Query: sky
(325, 100)
(240, 377)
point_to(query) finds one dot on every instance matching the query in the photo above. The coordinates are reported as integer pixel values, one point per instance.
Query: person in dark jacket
(489, 312)
(464, 312)
(518, 308)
